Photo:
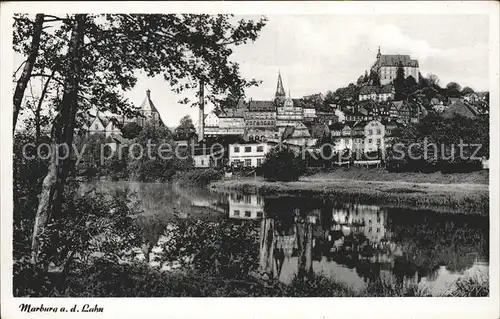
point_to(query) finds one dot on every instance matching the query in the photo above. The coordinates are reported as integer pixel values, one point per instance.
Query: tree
(102, 57)
(131, 130)
(467, 90)
(374, 78)
(282, 164)
(186, 128)
(433, 79)
(51, 197)
(399, 83)
(453, 89)
(22, 82)
(410, 84)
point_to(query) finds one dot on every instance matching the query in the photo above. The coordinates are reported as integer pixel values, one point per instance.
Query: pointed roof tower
(378, 54)
(280, 90)
(147, 104)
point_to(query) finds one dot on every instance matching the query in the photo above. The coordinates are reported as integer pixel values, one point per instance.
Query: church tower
(148, 110)
(378, 54)
(280, 95)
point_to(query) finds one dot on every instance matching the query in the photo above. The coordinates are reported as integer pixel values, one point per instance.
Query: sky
(317, 53)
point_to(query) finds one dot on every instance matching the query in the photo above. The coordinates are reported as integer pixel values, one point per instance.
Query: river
(280, 237)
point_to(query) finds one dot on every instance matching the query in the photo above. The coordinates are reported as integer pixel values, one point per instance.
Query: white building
(245, 206)
(211, 120)
(248, 155)
(341, 115)
(374, 136)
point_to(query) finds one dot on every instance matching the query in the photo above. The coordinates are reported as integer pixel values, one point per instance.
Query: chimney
(201, 112)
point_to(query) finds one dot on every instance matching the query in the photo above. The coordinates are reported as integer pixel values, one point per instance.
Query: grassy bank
(436, 191)
(381, 174)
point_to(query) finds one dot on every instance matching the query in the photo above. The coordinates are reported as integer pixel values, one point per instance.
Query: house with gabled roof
(460, 108)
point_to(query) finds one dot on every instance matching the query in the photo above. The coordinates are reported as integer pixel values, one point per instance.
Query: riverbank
(452, 193)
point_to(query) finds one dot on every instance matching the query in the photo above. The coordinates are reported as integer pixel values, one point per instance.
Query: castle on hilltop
(386, 66)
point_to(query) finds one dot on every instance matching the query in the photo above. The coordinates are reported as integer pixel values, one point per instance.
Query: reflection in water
(300, 236)
(357, 244)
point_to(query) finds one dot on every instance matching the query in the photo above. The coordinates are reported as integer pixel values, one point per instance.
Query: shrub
(198, 177)
(282, 164)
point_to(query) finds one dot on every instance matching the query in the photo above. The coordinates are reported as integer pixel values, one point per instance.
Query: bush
(282, 164)
(198, 177)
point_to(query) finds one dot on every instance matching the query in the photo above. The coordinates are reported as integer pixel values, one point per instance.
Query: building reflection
(245, 206)
(352, 243)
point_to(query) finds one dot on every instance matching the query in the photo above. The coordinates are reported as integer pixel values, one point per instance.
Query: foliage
(160, 157)
(466, 91)
(282, 164)
(186, 128)
(97, 226)
(435, 144)
(214, 248)
(399, 84)
(198, 177)
(131, 130)
(474, 286)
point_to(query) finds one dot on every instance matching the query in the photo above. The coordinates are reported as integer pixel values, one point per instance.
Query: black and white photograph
(224, 150)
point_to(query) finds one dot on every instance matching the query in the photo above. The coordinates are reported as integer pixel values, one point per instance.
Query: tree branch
(19, 68)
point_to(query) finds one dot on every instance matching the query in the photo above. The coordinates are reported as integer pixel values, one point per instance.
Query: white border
(253, 307)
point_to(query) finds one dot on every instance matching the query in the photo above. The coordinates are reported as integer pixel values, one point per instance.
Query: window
(379, 131)
(248, 199)
(370, 132)
(248, 149)
(260, 149)
(370, 140)
(378, 142)
(259, 200)
(97, 126)
(259, 214)
(378, 230)
(236, 149)
(202, 162)
(370, 230)
(248, 162)
(259, 161)
(236, 212)
(369, 221)
(248, 213)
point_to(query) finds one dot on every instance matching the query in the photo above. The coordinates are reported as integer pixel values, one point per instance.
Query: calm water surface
(282, 236)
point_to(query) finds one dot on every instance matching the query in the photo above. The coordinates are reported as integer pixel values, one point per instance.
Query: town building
(341, 134)
(376, 93)
(460, 108)
(248, 154)
(298, 135)
(110, 125)
(386, 67)
(211, 120)
(245, 206)
(374, 132)
(231, 123)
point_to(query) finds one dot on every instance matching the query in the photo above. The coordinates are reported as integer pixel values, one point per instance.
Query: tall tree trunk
(39, 107)
(51, 196)
(28, 67)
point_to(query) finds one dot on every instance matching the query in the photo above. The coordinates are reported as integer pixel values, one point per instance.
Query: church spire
(378, 54)
(280, 90)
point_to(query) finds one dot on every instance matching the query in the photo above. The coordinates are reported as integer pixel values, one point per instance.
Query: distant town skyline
(317, 53)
